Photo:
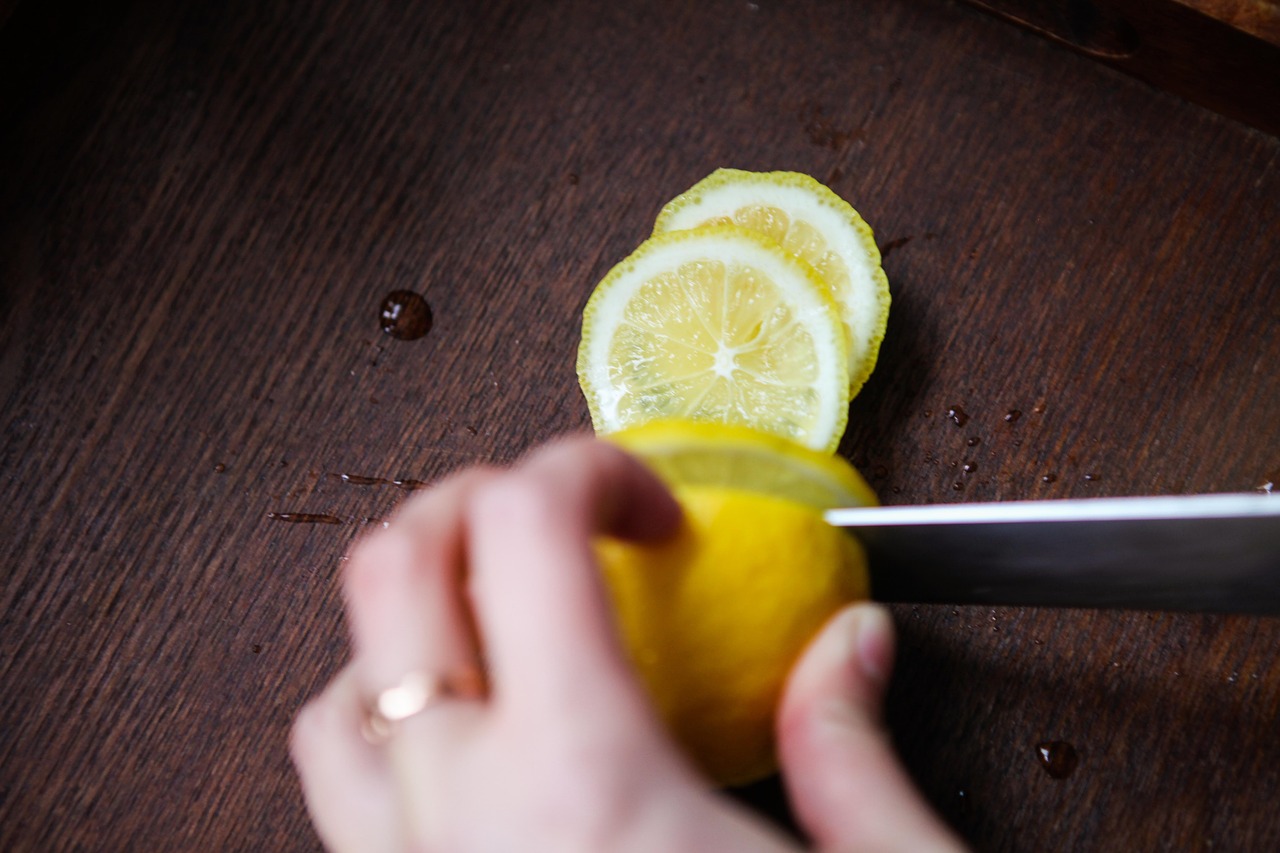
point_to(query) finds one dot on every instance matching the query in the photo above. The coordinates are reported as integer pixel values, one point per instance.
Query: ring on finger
(418, 691)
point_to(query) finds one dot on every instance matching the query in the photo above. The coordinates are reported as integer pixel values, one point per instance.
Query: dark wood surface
(204, 204)
(1222, 54)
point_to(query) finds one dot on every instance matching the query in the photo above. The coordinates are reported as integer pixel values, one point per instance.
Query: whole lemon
(715, 617)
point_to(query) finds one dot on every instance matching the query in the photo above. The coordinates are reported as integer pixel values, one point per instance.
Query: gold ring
(416, 692)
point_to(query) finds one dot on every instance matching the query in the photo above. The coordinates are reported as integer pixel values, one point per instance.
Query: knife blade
(1206, 553)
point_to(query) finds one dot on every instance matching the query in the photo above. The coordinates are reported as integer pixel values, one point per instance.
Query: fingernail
(874, 642)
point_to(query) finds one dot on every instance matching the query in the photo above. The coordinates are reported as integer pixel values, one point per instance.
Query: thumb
(847, 788)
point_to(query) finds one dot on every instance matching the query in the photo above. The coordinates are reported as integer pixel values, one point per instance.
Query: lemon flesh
(815, 225)
(716, 324)
(716, 617)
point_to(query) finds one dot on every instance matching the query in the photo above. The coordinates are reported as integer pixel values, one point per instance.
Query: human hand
(563, 752)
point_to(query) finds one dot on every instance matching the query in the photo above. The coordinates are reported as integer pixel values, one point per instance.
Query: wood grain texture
(203, 205)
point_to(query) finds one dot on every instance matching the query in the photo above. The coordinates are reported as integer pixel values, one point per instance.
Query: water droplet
(1058, 758)
(573, 179)
(974, 441)
(928, 413)
(220, 468)
(957, 486)
(1049, 478)
(1012, 416)
(958, 415)
(1092, 477)
(256, 649)
(970, 467)
(304, 518)
(403, 483)
(880, 472)
(1038, 409)
(409, 484)
(405, 315)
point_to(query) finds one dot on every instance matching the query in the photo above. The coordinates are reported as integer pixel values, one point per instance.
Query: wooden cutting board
(203, 207)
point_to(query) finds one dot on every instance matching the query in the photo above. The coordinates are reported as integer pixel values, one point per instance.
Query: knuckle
(515, 495)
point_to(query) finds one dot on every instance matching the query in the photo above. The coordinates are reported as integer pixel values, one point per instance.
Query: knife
(1208, 553)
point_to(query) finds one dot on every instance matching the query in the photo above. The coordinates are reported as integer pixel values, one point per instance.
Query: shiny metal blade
(1210, 553)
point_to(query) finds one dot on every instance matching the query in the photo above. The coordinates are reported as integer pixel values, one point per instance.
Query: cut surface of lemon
(716, 324)
(715, 618)
(811, 222)
(684, 453)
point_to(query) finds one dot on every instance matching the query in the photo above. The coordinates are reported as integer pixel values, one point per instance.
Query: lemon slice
(715, 618)
(716, 324)
(814, 224)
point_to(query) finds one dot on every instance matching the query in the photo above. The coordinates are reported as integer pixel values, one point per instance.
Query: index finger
(539, 600)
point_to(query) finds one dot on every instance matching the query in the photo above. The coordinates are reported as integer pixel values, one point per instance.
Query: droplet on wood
(1058, 758)
(405, 315)
(304, 518)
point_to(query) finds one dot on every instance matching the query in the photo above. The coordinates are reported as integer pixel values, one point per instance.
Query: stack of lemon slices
(724, 352)
(759, 300)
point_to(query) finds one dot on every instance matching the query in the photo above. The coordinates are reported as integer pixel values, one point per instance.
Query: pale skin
(564, 752)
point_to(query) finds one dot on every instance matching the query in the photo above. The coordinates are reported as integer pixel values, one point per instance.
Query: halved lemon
(716, 617)
(811, 222)
(716, 324)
